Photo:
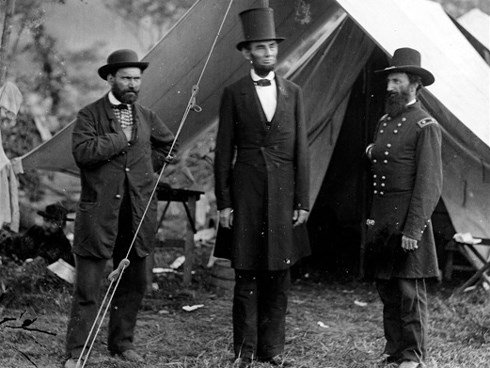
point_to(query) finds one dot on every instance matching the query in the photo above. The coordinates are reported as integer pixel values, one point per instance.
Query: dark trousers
(404, 317)
(259, 313)
(127, 298)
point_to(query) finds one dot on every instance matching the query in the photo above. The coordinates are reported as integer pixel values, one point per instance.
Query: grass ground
(330, 324)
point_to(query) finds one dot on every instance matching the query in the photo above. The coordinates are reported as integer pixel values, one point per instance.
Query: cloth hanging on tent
(10, 101)
(9, 192)
(10, 98)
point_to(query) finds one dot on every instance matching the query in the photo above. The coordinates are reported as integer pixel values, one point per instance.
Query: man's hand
(299, 217)
(409, 244)
(226, 218)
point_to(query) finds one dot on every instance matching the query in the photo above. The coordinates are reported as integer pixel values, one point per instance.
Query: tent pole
(363, 182)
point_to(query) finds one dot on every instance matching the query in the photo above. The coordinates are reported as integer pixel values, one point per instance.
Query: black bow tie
(262, 82)
(120, 107)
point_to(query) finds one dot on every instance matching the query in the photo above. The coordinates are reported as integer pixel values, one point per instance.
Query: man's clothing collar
(411, 102)
(255, 77)
(113, 100)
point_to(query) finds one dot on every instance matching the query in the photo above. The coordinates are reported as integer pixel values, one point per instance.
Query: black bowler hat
(121, 59)
(55, 212)
(258, 25)
(407, 60)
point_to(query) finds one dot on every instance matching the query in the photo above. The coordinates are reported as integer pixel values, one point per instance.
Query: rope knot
(192, 102)
(122, 265)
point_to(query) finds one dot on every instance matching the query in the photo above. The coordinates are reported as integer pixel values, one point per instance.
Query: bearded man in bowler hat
(407, 184)
(118, 146)
(262, 191)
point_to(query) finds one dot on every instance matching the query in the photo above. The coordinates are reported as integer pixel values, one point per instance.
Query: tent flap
(326, 81)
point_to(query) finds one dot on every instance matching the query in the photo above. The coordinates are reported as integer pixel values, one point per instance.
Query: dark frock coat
(110, 165)
(262, 173)
(407, 184)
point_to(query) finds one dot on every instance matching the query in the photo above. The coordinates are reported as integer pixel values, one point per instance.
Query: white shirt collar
(412, 102)
(269, 76)
(113, 100)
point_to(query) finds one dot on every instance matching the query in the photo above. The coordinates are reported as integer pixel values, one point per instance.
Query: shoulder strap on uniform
(426, 121)
(383, 117)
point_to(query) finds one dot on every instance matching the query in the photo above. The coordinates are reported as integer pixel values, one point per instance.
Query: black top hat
(55, 212)
(407, 60)
(258, 25)
(121, 59)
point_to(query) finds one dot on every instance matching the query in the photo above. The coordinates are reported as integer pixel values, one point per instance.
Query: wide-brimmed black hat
(407, 60)
(124, 58)
(55, 212)
(258, 25)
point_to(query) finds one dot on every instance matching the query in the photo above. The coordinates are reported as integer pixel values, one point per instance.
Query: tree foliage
(31, 60)
(18, 139)
(456, 8)
(32, 46)
(148, 20)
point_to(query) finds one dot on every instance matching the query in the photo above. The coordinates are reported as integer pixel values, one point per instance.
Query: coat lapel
(282, 100)
(251, 102)
(108, 110)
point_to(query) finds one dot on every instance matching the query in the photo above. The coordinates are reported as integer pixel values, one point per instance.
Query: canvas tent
(475, 25)
(478, 24)
(331, 50)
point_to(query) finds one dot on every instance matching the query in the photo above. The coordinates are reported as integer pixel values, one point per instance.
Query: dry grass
(325, 327)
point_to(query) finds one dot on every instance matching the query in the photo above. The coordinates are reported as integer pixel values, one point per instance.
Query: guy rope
(116, 275)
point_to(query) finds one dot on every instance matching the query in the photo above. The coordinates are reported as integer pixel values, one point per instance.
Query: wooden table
(188, 198)
(480, 272)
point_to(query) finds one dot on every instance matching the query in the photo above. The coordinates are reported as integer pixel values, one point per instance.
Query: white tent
(478, 24)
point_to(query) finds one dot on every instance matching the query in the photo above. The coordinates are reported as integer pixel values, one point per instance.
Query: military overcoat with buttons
(407, 184)
(262, 173)
(109, 164)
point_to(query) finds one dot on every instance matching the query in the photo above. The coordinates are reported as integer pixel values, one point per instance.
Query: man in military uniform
(407, 184)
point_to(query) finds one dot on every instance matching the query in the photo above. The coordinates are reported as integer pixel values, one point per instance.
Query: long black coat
(263, 175)
(407, 184)
(109, 166)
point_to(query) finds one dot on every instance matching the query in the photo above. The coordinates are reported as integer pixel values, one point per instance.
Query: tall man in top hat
(261, 172)
(118, 146)
(407, 184)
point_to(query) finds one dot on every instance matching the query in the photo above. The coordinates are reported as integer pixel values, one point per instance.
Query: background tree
(6, 32)
(148, 20)
(456, 8)
(28, 58)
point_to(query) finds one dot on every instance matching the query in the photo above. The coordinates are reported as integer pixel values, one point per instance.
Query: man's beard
(395, 102)
(263, 70)
(127, 96)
